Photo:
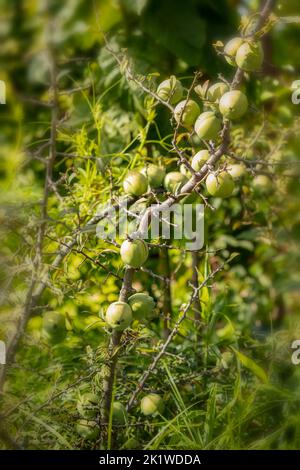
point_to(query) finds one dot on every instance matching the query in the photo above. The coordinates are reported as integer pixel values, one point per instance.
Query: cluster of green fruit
(247, 54)
(119, 315)
(221, 103)
(233, 104)
(137, 182)
(135, 253)
(88, 409)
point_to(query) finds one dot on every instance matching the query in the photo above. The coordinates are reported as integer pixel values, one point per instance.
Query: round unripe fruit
(208, 126)
(134, 253)
(170, 90)
(216, 91)
(135, 183)
(186, 113)
(250, 56)
(233, 104)
(119, 414)
(262, 183)
(142, 305)
(220, 185)
(236, 171)
(174, 181)
(231, 49)
(155, 175)
(118, 316)
(89, 430)
(54, 326)
(88, 405)
(152, 405)
(199, 159)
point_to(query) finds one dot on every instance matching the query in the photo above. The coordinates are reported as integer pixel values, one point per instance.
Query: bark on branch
(113, 354)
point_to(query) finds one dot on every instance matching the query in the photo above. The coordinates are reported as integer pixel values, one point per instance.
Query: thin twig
(165, 345)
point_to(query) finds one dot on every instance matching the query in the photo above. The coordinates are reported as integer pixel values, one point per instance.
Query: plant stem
(195, 283)
(113, 354)
(166, 285)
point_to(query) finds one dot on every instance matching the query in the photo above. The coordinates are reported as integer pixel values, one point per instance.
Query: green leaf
(49, 428)
(252, 366)
(167, 26)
